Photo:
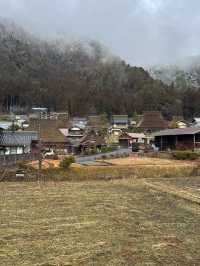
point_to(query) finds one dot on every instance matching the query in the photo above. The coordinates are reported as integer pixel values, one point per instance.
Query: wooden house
(92, 142)
(178, 139)
(51, 135)
(127, 139)
(152, 121)
(80, 122)
(120, 121)
(18, 142)
(195, 122)
(178, 122)
(95, 122)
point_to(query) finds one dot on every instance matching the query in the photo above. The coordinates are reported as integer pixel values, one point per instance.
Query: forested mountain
(183, 73)
(81, 77)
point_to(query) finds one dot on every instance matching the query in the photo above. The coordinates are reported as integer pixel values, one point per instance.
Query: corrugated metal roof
(178, 131)
(10, 138)
(5, 124)
(120, 118)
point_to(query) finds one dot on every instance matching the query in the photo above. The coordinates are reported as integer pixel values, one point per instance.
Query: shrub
(135, 147)
(66, 162)
(185, 155)
(108, 149)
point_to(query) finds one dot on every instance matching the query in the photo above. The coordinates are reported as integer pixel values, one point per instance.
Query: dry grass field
(146, 161)
(109, 223)
(129, 161)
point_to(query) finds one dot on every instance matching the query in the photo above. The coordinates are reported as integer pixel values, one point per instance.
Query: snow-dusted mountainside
(183, 73)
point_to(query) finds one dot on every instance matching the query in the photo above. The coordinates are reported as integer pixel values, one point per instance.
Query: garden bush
(185, 155)
(108, 149)
(66, 162)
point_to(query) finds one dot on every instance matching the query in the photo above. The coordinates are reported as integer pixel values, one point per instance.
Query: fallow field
(118, 222)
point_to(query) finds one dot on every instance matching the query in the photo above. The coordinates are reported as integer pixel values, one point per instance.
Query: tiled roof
(178, 131)
(21, 138)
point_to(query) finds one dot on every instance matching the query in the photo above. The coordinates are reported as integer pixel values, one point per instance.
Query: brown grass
(123, 222)
(135, 161)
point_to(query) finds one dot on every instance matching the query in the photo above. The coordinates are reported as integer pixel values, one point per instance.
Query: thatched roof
(95, 121)
(93, 139)
(152, 121)
(49, 129)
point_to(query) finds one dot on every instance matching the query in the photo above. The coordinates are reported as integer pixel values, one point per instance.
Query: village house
(178, 122)
(178, 139)
(18, 142)
(115, 131)
(152, 121)
(44, 113)
(95, 122)
(74, 136)
(127, 139)
(75, 133)
(120, 121)
(92, 141)
(51, 135)
(80, 122)
(195, 122)
(5, 125)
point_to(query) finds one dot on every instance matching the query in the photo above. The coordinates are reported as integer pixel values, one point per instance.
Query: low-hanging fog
(143, 32)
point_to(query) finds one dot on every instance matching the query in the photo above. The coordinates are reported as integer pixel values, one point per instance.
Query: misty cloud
(142, 32)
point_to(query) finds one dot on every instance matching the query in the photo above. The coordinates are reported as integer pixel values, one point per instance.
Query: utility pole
(40, 152)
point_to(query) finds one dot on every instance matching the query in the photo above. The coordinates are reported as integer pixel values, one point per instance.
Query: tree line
(83, 78)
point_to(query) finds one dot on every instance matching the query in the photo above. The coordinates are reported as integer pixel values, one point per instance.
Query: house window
(19, 150)
(13, 150)
(7, 151)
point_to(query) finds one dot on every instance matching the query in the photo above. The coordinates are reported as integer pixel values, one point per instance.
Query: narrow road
(92, 158)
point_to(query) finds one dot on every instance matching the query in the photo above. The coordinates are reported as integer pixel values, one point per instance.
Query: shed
(127, 139)
(178, 139)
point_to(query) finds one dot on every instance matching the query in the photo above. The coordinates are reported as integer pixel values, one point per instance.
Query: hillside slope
(82, 77)
(184, 73)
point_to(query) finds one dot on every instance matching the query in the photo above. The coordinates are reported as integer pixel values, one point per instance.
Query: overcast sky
(143, 32)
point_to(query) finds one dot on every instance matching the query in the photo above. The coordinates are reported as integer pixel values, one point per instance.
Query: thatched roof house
(91, 141)
(152, 121)
(50, 133)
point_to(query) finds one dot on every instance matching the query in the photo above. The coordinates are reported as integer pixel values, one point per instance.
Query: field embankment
(121, 168)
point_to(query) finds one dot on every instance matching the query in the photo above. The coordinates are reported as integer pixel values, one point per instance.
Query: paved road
(92, 158)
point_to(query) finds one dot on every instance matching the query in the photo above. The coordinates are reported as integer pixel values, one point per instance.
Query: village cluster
(57, 133)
